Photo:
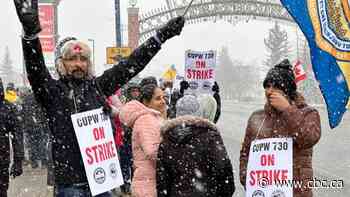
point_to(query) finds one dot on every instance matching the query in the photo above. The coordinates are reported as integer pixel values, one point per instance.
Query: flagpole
(187, 8)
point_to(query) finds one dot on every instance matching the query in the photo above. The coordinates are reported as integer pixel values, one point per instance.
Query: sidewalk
(32, 183)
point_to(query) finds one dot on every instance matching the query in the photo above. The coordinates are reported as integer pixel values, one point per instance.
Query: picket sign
(270, 162)
(200, 71)
(93, 130)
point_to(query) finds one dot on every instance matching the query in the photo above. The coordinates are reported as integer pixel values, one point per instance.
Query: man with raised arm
(76, 90)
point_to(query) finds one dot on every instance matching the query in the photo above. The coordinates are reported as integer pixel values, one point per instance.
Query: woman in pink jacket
(145, 118)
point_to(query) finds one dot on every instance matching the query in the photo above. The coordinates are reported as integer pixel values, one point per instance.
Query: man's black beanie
(281, 76)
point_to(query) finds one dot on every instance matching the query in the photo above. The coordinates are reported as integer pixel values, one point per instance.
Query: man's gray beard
(79, 74)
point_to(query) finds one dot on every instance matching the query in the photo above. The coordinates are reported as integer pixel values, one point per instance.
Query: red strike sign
(100, 152)
(270, 176)
(200, 72)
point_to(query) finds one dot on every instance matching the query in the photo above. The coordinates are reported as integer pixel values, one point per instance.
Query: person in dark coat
(167, 87)
(77, 90)
(34, 126)
(175, 96)
(9, 125)
(217, 98)
(285, 114)
(192, 159)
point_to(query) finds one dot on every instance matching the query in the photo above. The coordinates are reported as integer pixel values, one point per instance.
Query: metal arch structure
(231, 11)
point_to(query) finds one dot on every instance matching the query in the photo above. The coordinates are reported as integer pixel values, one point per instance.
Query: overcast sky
(94, 19)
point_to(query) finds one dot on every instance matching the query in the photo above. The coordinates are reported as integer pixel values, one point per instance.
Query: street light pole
(118, 38)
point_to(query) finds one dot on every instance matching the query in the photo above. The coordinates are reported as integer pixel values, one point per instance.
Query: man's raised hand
(28, 14)
(171, 29)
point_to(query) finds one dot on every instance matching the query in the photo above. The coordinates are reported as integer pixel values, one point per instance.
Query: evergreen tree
(277, 45)
(236, 80)
(7, 72)
(224, 72)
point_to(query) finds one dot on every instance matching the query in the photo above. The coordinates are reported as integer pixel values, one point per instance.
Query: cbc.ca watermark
(314, 183)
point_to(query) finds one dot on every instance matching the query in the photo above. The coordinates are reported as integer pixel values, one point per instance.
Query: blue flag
(326, 26)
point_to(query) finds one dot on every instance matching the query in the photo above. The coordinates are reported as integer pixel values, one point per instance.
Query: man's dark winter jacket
(192, 160)
(64, 97)
(9, 124)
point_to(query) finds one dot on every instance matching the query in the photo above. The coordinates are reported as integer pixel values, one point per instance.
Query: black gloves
(28, 14)
(184, 86)
(171, 29)
(215, 87)
(16, 169)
